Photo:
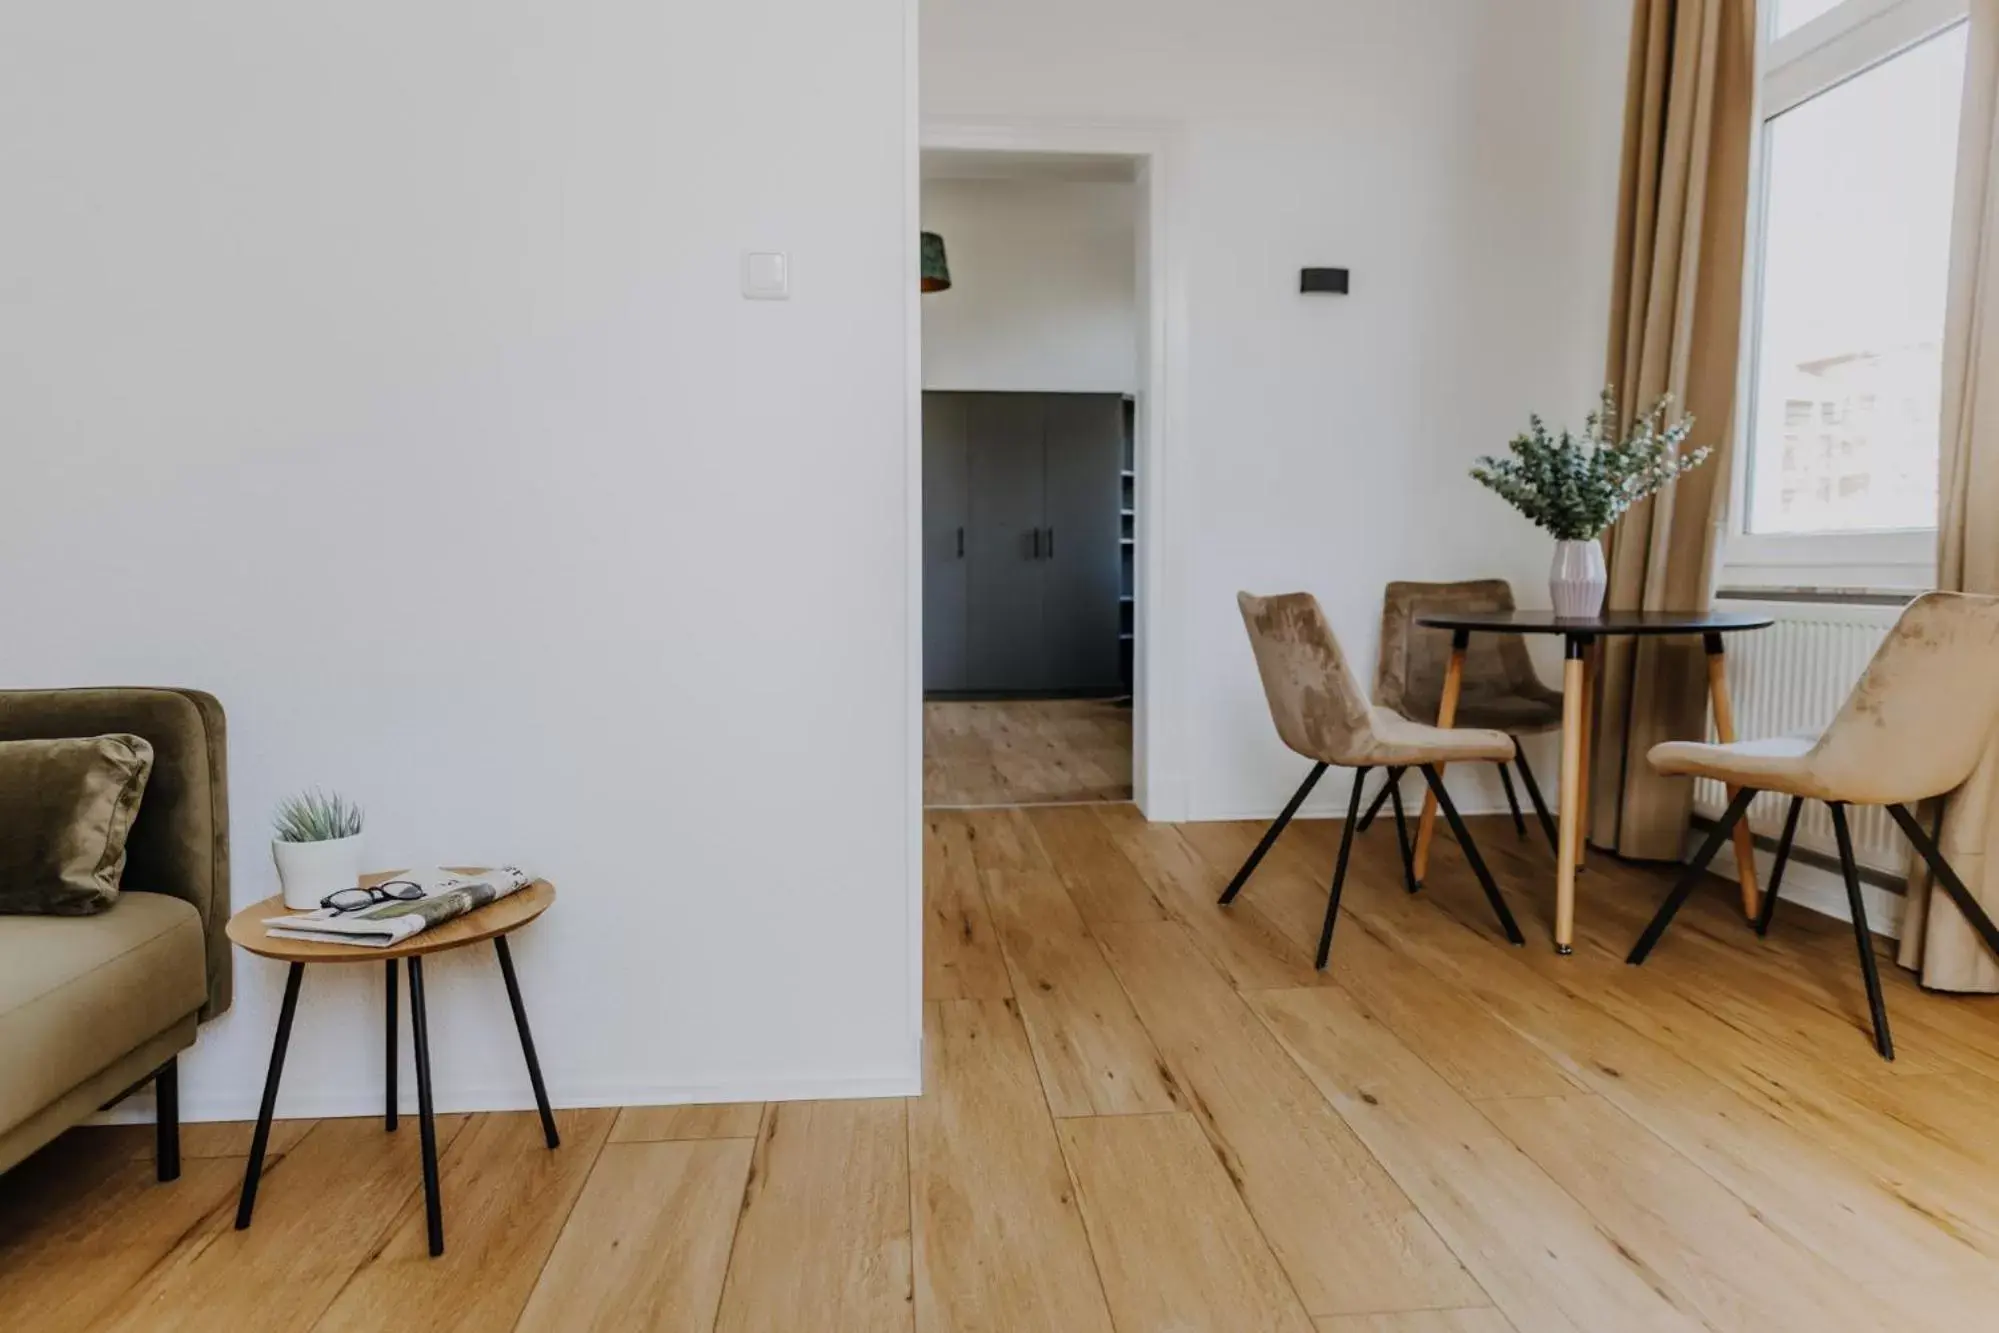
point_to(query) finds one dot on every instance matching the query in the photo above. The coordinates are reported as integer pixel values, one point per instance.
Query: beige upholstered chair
(1913, 728)
(1499, 690)
(1321, 713)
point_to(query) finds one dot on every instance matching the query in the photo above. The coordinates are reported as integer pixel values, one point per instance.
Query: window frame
(1815, 57)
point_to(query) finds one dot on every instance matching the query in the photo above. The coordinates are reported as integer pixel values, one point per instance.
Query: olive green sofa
(95, 1007)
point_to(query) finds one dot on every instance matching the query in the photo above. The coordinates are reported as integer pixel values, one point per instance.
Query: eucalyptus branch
(1576, 487)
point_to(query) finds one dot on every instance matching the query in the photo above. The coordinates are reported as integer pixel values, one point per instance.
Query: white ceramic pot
(1578, 580)
(309, 871)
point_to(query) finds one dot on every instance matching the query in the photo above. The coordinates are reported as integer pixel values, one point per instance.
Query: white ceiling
(961, 164)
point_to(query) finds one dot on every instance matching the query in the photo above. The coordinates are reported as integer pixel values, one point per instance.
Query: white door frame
(1159, 782)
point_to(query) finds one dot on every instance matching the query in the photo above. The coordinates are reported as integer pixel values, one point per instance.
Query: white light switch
(766, 276)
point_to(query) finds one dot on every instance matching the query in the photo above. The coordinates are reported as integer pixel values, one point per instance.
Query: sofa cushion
(66, 807)
(76, 993)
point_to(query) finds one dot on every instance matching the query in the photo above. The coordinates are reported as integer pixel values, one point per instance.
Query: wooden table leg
(1586, 751)
(1447, 715)
(1574, 687)
(1724, 730)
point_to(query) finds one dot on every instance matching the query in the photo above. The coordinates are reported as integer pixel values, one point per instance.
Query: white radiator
(1793, 677)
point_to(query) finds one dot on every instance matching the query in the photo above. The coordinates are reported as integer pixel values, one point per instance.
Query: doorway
(1033, 356)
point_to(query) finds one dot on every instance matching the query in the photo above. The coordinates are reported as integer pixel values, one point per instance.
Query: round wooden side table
(494, 922)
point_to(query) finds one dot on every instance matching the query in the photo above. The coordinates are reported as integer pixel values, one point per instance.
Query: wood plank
(1178, 1251)
(1538, 1254)
(1093, 1054)
(657, 1124)
(823, 1242)
(647, 1244)
(1474, 1320)
(1004, 840)
(321, 1212)
(961, 955)
(214, 1138)
(999, 1241)
(1811, 1193)
(506, 1196)
(80, 1230)
(1348, 1237)
(1248, 949)
(1727, 1260)
(1105, 885)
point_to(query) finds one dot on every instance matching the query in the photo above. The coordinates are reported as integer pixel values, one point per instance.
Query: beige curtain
(1935, 938)
(1675, 327)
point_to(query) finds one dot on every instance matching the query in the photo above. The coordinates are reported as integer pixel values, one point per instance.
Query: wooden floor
(1026, 752)
(1146, 1114)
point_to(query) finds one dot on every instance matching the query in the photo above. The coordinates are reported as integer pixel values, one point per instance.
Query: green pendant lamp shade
(936, 271)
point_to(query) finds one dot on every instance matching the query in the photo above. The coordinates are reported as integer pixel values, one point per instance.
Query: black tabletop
(1609, 622)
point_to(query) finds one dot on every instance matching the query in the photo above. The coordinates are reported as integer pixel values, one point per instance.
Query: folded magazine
(422, 899)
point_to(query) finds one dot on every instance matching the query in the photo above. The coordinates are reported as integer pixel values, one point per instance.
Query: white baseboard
(367, 1101)
(1823, 891)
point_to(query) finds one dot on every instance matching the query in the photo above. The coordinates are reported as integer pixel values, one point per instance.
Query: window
(1837, 476)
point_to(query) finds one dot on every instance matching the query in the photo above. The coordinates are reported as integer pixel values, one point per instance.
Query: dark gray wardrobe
(1022, 542)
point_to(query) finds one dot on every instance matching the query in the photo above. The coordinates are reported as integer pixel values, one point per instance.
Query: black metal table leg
(1769, 908)
(389, 1102)
(433, 1205)
(527, 1041)
(253, 1170)
(1863, 938)
(166, 1121)
(1269, 838)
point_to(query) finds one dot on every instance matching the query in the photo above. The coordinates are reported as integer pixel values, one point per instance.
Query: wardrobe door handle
(961, 543)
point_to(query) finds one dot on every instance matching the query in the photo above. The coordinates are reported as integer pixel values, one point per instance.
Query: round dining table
(1582, 639)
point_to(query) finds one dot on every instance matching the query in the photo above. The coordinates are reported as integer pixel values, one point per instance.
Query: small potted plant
(1576, 489)
(317, 845)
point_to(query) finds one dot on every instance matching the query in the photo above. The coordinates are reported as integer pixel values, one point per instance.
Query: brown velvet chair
(95, 1007)
(1913, 729)
(1500, 690)
(1321, 714)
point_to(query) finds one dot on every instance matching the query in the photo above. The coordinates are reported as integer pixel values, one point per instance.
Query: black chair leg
(1927, 848)
(1478, 867)
(1534, 795)
(1380, 799)
(389, 1102)
(1402, 836)
(253, 1170)
(1691, 876)
(1863, 938)
(433, 1202)
(1777, 871)
(1512, 801)
(1347, 830)
(166, 1121)
(548, 1133)
(1269, 838)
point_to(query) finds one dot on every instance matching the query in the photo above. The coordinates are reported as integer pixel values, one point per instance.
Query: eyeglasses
(388, 891)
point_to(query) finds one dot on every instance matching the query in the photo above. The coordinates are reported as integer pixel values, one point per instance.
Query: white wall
(382, 369)
(1044, 278)
(1461, 157)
